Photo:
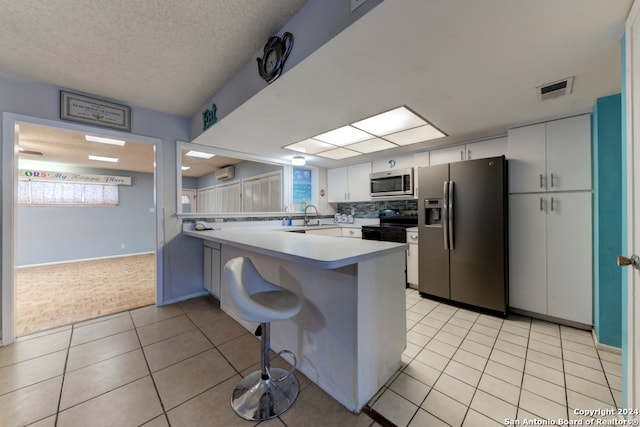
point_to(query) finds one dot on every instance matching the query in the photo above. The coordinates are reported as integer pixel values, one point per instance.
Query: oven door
(371, 233)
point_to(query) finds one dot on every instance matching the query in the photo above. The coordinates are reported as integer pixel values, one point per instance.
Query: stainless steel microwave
(396, 182)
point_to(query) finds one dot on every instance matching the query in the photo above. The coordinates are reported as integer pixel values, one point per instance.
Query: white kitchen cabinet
(474, 150)
(569, 154)
(412, 259)
(569, 257)
(349, 183)
(528, 253)
(356, 233)
(212, 268)
(446, 155)
(552, 156)
(392, 162)
(550, 255)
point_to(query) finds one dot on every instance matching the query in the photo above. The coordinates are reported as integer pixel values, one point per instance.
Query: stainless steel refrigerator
(462, 239)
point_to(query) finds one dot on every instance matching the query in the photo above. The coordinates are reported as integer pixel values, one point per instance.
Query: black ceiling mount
(275, 53)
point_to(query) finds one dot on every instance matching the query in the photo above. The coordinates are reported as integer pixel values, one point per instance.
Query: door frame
(9, 207)
(631, 286)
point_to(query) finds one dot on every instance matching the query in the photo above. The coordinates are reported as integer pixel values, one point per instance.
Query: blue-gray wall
(63, 233)
(181, 255)
(317, 22)
(607, 221)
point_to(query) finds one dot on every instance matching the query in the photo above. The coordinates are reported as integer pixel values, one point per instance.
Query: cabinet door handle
(541, 204)
(461, 154)
(542, 179)
(552, 180)
(552, 204)
(468, 154)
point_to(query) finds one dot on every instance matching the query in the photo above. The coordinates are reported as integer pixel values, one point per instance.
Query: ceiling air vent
(555, 89)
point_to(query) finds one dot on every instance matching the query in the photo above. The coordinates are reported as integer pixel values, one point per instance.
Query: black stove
(393, 226)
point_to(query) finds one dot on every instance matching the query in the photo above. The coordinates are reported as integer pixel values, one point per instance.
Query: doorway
(77, 262)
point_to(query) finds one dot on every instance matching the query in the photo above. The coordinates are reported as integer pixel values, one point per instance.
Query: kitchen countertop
(325, 252)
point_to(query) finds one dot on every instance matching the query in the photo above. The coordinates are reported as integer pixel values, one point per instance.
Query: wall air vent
(225, 173)
(555, 89)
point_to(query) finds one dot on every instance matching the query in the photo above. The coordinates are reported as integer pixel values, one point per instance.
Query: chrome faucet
(307, 220)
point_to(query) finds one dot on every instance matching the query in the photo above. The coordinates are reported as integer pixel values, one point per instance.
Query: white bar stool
(269, 392)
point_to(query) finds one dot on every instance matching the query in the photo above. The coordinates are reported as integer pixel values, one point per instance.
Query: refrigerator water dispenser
(433, 212)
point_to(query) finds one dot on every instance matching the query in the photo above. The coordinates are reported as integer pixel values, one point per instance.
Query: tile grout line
(215, 347)
(524, 368)
(153, 381)
(64, 376)
(483, 369)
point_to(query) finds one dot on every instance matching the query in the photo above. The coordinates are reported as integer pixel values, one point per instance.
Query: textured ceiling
(470, 67)
(165, 55)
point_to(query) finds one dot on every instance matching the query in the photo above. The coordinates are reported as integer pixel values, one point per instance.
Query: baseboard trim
(184, 298)
(551, 319)
(605, 347)
(84, 259)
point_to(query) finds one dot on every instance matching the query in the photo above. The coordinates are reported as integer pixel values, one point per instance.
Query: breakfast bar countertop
(325, 252)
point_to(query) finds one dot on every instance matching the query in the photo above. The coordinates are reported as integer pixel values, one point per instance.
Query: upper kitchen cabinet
(349, 183)
(474, 150)
(552, 156)
(395, 162)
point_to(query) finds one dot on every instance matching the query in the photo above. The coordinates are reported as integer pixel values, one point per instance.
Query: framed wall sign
(83, 109)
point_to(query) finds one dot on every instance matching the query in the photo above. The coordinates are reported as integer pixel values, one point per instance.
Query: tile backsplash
(370, 209)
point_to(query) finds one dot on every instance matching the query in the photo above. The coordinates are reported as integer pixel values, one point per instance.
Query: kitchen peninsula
(350, 333)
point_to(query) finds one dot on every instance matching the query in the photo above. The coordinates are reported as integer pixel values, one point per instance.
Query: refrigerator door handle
(450, 216)
(445, 215)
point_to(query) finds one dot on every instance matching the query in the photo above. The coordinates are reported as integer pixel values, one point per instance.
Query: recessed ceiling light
(103, 159)
(185, 168)
(371, 145)
(343, 136)
(104, 140)
(395, 120)
(310, 146)
(199, 154)
(415, 135)
(338, 153)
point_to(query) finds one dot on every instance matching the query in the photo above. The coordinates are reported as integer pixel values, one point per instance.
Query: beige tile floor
(462, 368)
(154, 366)
(177, 366)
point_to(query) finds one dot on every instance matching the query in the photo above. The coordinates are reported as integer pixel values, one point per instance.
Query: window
(302, 184)
(46, 193)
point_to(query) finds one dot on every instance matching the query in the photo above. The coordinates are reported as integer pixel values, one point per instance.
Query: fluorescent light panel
(343, 136)
(102, 140)
(339, 153)
(390, 129)
(310, 146)
(371, 145)
(415, 135)
(398, 119)
(199, 154)
(103, 159)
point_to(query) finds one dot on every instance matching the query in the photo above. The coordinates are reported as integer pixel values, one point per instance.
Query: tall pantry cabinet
(550, 217)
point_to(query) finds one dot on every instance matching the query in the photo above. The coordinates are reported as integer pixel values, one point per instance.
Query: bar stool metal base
(256, 399)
